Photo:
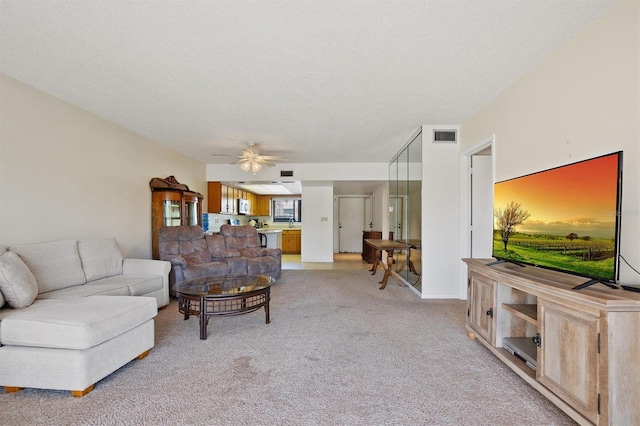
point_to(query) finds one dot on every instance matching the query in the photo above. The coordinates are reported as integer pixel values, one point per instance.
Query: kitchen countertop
(269, 231)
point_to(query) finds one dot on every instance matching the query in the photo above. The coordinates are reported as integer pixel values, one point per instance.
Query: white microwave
(243, 206)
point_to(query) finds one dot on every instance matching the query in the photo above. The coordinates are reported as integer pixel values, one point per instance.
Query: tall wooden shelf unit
(172, 204)
(588, 341)
(368, 252)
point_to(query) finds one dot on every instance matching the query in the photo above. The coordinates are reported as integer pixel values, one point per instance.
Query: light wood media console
(588, 354)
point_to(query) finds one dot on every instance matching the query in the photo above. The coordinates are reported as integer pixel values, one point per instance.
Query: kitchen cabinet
(264, 205)
(172, 204)
(222, 198)
(291, 241)
(253, 203)
(585, 342)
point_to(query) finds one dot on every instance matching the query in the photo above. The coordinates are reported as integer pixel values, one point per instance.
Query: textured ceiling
(315, 81)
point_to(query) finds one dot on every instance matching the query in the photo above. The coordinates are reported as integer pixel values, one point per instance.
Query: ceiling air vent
(286, 173)
(444, 136)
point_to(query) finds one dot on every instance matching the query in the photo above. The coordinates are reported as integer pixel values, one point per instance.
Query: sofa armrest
(273, 252)
(176, 260)
(149, 267)
(146, 266)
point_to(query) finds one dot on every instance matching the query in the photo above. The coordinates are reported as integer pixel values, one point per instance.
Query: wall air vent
(444, 136)
(286, 173)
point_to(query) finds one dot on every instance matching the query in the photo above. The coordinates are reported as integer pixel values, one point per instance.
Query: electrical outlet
(324, 219)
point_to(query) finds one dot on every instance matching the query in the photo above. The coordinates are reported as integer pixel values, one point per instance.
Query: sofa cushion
(262, 265)
(17, 283)
(55, 264)
(100, 258)
(138, 285)
(206, 269)
(197, 257)
(75, 323)
(86, 290)
(237, 265)
(218, 247)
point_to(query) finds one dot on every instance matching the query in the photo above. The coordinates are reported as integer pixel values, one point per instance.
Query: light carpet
(338, 351)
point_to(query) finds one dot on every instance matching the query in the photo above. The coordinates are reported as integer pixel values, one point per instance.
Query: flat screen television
(566, 219)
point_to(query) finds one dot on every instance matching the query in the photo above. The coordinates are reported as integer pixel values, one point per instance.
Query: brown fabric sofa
(235, 250)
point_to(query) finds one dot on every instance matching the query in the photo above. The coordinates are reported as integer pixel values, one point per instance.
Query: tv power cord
(628, 287)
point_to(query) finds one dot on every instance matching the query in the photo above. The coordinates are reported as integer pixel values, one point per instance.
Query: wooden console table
(388, 246)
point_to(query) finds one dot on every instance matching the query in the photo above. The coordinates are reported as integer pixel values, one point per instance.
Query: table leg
(387, 272)
(266, 305)
(203, 319)
(376, 259)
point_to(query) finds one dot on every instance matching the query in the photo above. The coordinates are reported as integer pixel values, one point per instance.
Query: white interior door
(481, 206)
(351, 223)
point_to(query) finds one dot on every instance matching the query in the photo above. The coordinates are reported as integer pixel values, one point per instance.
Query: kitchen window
(286, 209)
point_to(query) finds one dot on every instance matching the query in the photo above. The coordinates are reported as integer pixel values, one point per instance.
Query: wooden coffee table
(223, 295)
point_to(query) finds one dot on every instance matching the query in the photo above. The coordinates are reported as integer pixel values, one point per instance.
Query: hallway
(341, 261)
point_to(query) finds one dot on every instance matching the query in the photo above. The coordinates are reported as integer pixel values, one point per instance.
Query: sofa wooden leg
(143, 354)
(78, 394)
(12, 389)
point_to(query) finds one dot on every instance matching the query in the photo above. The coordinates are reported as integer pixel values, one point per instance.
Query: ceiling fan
(252, 160)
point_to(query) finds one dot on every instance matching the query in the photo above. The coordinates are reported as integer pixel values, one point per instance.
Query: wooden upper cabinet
(253, 203)
(264, 205)
(223, 198)
(214, 198)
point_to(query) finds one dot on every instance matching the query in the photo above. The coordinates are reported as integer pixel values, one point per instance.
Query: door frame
(465, 202)
(366, 215)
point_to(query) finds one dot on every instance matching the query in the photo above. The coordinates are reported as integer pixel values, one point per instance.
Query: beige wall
(581, 102)
(66, 173)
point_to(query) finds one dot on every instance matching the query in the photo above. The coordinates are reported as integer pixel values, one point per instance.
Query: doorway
(354, 216)
(476, 179)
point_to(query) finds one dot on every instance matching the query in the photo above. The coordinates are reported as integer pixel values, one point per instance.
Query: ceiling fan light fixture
(255, 167)
(246, 166)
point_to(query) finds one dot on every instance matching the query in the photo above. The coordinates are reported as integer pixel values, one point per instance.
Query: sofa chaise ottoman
(70, 312)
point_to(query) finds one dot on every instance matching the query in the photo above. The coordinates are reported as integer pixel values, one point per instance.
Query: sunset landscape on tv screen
(564, 218)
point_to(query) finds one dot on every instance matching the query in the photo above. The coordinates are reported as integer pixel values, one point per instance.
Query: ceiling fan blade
(241, 160)
(272, 157)
(263, 162)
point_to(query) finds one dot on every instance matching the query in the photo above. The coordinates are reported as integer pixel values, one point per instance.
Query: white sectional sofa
(70, 313)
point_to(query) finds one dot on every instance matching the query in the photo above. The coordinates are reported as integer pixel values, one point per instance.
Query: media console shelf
(586, 356)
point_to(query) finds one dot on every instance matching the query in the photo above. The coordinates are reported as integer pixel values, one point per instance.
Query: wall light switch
(324, 219)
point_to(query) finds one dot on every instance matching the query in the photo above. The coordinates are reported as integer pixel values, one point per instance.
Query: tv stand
(587, 341)
(592, 282)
